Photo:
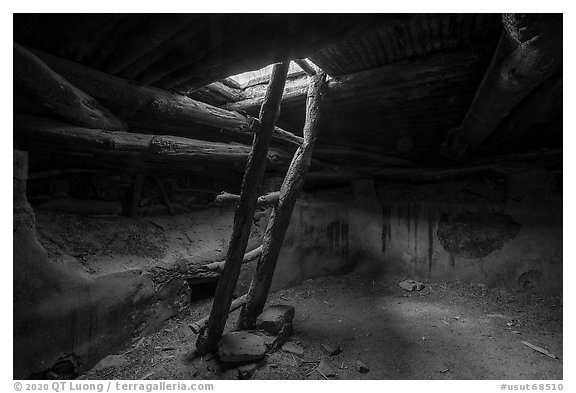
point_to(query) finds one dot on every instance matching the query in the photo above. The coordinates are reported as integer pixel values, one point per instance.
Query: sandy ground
(445, 331)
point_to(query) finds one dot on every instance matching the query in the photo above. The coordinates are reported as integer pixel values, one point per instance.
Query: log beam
(208, 340)
(529, 52)
(38, 133)
(280, 219)
(152, 108)
(36, 81)
(388, 82)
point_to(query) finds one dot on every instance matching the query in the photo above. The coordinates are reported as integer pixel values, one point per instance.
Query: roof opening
(247, 78)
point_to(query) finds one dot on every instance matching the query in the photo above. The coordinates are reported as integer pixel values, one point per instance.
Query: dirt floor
(445, 331)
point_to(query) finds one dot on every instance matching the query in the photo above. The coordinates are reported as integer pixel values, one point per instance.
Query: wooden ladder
(253, 302)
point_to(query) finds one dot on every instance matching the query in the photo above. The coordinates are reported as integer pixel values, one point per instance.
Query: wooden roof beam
(159, 109)
(377, 82)
(34, 132)
(529, 52)
(37, 82)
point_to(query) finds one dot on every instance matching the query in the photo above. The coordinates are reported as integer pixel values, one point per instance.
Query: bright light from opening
(245, 77)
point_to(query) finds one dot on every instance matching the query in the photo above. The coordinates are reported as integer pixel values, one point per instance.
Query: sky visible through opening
(245, 77)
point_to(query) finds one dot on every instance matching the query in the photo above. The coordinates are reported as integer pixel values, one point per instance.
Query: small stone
(240, 347)
(331, 350)
(325, 369)
(411, 285)
(361, 367)
(293, 348)
(275, 319)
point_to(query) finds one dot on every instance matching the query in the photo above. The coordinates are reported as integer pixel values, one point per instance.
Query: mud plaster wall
(87, 286)
(479, 240)
(85, 303)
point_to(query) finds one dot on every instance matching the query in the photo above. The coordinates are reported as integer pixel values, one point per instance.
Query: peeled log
(225, 199)
(39, 132)
(36, 81)
(529, 52)
(159, 109)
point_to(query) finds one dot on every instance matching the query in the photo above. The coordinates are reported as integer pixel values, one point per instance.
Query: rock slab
(241, 347)
(411, 285)
(276, 319)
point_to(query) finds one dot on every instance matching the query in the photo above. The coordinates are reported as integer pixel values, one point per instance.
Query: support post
(289, 191)
(208, 340)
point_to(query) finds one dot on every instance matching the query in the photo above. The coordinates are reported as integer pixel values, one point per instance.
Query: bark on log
(36, 81)
(36, 133)
(218, 91)
(225, 199)
(159, 109)
(207, 342)
(280, 219)
(530, 50)
(200, 325)
(249, 256)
